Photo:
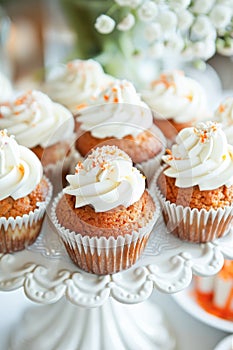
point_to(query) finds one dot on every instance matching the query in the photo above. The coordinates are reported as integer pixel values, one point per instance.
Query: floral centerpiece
(132, 31)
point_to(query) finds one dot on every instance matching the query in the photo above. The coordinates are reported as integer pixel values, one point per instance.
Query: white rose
(220, 16)
(153, 32)
(147, 11)
(185, 20)
(126, 23)
(134, 3)
(202, 6)
(104, 24)
(226, 3)
(175, 43)
(202, 27)
(225, 47)
(179, 4)
(156, 50)
(168, 21)
(204, 48)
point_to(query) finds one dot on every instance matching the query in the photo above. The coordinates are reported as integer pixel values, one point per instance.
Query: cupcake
(215, 294)
(177, 102)
(196, 185)
(24, 195)
(6, 88)
(47, 128)
(119, 117)
(224, 115)
(74, 83)
(105, 215)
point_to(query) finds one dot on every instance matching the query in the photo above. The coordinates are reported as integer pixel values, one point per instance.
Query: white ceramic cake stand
(82, 311)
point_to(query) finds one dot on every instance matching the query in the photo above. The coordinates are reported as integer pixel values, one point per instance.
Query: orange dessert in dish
(215, 294)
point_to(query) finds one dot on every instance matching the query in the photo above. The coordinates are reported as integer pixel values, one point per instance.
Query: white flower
(225, 2)
(126, 23)
(134, 3)
(147, 11)
(153, 32)
(179, 4)
(130, 3)
(156, 50)
(185, 20)
(202, 6)
(220, 16)
(225, 47)
(168, 21)
(104, 24)
(175, 43)
(204, 48)
(202, 27)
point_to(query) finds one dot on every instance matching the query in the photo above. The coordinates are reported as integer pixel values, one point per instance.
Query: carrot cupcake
(75, 82)
(119, 117)
(196, 186)
(177, 101)
(24, 195)
(105, 215)
(47, 128)
(224, 115)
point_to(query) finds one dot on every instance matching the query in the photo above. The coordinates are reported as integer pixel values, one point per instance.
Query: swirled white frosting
(35, 119)
(176, 96)
(105, 180)
(201, 156)
(117, 111)
(77, 81)
(224, 115)
(20, 169)
(6, 89)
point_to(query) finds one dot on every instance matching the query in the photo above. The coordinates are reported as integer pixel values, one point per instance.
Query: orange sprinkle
(116, 100)
(168, 151)
(21, 168)
(78, 167)
(114, 89)
(189, 97)
(106, 97)
(81, 106)
(221, 108)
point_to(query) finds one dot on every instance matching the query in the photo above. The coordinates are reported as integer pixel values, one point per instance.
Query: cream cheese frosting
(20, 169)
(201, 156)
(77, 81)
(35, 120)
(224, 115)
(176, 96)
(117, 111)
(6, 89)
(105, 180)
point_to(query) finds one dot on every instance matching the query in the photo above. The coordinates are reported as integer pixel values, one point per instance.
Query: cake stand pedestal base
(112, 326)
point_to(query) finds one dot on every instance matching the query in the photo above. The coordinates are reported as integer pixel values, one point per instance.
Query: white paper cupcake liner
(151, 166)
(194, 225)
(104, 255)
(17, 233)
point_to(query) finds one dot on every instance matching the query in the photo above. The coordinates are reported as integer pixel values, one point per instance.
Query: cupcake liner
(103, 255)
(194, 225)
(150, 166)
(20, 232)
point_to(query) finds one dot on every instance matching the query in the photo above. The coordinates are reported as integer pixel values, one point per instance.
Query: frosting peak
(175, 96)
(20, 169)
(105, 180)
(74, 83)
(201, 156)
(224, 115)
(117, 111)
(35, 119)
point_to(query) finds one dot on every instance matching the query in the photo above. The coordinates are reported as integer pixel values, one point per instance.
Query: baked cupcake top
(117, 111)
(20, 169)
(176, 96)
(105, 180)
(35, 120)
(74, 83)
(6, 88)
(201, 156)
(224, 115)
